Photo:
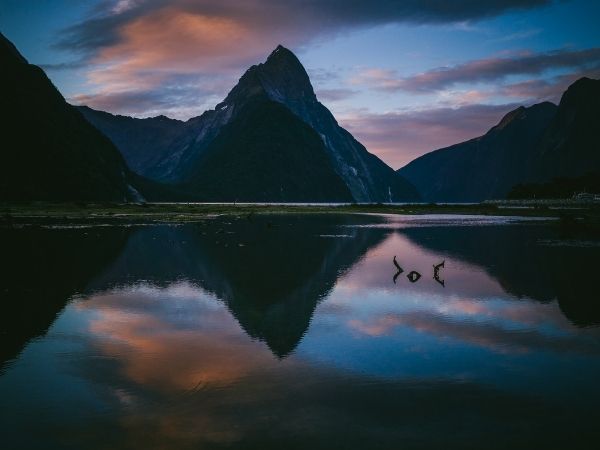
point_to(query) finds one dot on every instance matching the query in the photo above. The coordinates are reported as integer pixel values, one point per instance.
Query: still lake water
(288, 331)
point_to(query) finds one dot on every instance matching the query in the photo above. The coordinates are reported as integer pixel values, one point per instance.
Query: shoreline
(120, 213)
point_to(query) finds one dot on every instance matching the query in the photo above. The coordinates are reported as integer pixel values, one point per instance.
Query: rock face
(529, 145)
(266, 153)
(142, 142)
(49, 150)
(285, 149)
(283, 79)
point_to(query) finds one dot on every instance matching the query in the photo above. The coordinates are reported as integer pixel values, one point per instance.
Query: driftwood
(400, 269)
(414, 276)
(436, 273)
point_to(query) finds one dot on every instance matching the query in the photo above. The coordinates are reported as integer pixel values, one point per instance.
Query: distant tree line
(561, 187)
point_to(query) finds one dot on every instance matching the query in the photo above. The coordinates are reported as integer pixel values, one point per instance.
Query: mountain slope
(485, 167)
(49, 150)
(529, 145)
(142, 142)
(272, 297)
(570, 146)
(266, 154)
(283, 80)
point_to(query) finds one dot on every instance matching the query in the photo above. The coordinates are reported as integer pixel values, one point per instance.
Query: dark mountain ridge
(570, 146)
(50, 151)
(185, 157)
(264, 154)
(485, 167)
(272, 299)
(529, 145)
(142, 142)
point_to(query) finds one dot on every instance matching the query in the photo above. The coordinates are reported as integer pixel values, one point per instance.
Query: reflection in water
(436, 272)
(398, 268)
(271, 273)
(527, 261)
(287, 332)
(42, 269)
(413, 276)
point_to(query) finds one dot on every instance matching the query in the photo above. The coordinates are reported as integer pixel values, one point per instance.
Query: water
(288, 331)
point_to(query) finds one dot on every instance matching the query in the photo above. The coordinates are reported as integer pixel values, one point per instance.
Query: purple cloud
(399, 137)
(482, 70)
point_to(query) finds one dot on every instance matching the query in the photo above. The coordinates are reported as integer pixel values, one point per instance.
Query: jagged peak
(284, 60)
(281, 52)
(281, 77)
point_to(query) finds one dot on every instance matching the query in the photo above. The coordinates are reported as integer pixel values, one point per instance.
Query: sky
(404, 77)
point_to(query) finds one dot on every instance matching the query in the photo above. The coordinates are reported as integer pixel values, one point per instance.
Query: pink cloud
(399, 137)
(484, 70)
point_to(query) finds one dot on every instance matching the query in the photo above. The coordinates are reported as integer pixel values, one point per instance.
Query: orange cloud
(167, 356)
(171, 41)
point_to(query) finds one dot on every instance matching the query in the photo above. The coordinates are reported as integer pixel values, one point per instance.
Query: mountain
(529, 145)
(266, 153)
(142, 142)
(35, 288)
(485, 167)
(271, 284)
(270, 139)
(49, 150)
(570, 146)
(517, 256)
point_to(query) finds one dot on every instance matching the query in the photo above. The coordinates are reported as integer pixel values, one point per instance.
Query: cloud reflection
(166, 364)
(176, 338)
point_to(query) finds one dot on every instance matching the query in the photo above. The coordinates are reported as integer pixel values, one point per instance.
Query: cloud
(141, 45)
(546, 89)
(481, 70)
(494, 337)
(179, 96)
(69, 65)
(399, 137)
(518, 35)
(320, 75)
(335, 95)
(174, 370)
(141, 103)
(103, 27)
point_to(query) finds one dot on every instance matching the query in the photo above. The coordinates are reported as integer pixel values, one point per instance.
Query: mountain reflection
(287, 331)
(271, 271)
(531, 261)
(43, 269)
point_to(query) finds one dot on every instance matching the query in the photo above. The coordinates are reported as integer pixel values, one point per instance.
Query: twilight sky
(405, 77)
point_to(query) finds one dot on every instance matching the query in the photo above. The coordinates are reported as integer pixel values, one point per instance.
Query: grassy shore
(109, 213)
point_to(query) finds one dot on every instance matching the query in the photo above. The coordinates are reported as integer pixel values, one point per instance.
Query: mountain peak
(281, 78)
(283, 62)
(281, 53)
